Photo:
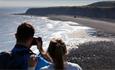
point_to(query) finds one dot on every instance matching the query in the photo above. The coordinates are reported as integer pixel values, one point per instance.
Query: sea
(44, 27)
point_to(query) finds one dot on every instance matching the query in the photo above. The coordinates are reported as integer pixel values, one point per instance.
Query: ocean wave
(44, 27)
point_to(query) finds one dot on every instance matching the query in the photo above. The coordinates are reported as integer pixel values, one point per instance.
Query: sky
(45, 3)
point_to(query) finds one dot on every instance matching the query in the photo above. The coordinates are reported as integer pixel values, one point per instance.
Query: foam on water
(67, 30)
(44, 27)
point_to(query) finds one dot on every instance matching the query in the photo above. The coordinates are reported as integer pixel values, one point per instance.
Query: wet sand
(100, 25)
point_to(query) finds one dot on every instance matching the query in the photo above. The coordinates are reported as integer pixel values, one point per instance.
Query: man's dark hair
(24, 31)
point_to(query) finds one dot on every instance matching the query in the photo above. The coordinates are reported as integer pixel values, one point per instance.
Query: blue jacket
(41, 62)
(21, 55)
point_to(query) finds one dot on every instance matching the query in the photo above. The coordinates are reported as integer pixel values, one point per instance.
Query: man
(21, 52)
(21, 56)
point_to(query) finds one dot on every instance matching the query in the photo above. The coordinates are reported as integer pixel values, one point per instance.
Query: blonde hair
(57, 50)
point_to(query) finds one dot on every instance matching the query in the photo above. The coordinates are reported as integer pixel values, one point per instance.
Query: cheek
(31, 39)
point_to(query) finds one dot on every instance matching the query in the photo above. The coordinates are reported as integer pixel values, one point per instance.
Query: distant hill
(105, 9)
(103, 4)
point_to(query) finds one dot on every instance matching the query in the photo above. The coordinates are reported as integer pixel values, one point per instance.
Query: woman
(57, 50)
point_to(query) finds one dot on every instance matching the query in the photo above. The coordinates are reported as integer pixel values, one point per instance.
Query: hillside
(95, 10)
(103, 4)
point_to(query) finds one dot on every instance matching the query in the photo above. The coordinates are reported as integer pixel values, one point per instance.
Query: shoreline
(56, 17)
(101, 31)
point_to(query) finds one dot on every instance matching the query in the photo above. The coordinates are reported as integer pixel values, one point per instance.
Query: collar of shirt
(21, 49)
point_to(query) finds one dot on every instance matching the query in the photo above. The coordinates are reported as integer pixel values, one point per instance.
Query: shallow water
(44, 27)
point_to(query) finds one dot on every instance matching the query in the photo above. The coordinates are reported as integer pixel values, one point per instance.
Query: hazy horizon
(45, 3)
(20, 6)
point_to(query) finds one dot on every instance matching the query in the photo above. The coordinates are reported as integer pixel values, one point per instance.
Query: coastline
(106, 30)
(102, 30)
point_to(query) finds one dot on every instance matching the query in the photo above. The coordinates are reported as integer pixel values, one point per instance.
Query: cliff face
(87, 11)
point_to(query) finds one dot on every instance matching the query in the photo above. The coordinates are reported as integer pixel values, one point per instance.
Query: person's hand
(40, 48)
(32, 61)
(39, 43)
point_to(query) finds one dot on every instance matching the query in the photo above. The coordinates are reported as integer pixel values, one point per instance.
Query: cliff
(103, 4)
(95, 10)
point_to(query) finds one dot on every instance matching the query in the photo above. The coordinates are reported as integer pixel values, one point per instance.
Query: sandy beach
(101, 25)
(96, 53)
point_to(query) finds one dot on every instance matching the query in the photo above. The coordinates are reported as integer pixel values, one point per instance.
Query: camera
(34, 40)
